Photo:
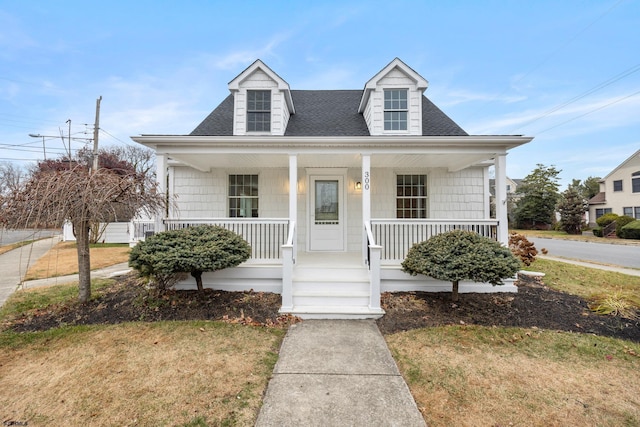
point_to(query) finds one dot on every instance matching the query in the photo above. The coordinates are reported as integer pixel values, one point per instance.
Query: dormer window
(258, 111)
(395, 109)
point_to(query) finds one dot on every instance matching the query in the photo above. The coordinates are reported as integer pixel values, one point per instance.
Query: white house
(332, 187)
(619, 191)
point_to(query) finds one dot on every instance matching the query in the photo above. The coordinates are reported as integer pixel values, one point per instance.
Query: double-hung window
(258, 111)
(635, 182)
(411, 196)
(396, 108)
(617, 185)
(600, 212)
(627, 211)
(243, 196)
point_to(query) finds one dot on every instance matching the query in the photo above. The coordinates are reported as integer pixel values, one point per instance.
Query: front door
(326, 222)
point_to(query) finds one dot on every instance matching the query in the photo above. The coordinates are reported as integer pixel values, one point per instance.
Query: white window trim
(408, 111)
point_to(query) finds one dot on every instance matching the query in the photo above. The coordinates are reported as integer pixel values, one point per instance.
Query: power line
(594, 89)
(114, 137)
(547, 58)
(589, 112)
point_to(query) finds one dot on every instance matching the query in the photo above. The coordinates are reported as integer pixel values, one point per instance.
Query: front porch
(325, 284)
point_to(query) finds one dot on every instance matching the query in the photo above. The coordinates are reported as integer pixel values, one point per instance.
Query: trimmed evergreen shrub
(193, 250)
(597, 232)
(622, 221)
(606, 219)
(461, 255)
(631, 230)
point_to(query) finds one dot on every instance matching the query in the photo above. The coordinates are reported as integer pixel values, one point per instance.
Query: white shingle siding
(450, 195)
(280, 114)
(456, 195)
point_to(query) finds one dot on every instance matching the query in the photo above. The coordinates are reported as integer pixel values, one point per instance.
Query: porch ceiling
(453, 153)
(451, 161)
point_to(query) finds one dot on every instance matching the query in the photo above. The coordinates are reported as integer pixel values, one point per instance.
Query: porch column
(366, 199)
(289, 250)
(501, 199)
(293, 187)
(161, 176)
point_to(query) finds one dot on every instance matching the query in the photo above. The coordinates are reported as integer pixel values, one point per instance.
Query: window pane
(635, 185)
(617, 185)
(243, 196)
(627, 211)
(411, 199)
(637, 210)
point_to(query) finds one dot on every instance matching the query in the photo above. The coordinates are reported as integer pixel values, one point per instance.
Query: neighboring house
(619, 191)
(512, 186)
(373, 171)
(512, 196)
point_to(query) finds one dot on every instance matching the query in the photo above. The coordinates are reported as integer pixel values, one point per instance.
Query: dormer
(262, 103)
(392, 101)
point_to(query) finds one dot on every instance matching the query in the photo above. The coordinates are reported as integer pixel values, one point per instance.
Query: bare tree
(65, 189)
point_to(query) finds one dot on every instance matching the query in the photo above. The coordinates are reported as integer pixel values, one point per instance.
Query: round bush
(461, 255)
(622, 221)
(189, 250)
(631, 230)
(606, 219)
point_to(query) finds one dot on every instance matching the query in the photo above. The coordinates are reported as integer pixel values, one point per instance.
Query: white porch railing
(288, 260)
(139, 229)
(396, 236)
(265, 235)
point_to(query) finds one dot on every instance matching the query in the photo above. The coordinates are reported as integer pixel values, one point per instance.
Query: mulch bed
(535, 305)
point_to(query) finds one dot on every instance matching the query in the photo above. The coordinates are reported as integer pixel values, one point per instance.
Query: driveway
(621, 255)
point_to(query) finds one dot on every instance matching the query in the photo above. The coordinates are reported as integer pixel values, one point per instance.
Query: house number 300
(367, 180)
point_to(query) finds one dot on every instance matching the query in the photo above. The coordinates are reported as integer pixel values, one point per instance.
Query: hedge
(631, 230)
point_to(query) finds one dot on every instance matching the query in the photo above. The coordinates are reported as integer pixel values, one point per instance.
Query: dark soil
(535, 305)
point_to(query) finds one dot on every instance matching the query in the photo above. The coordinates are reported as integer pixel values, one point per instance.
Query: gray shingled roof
(327, 113)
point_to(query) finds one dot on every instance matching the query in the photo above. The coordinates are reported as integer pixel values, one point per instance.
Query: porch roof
(451, 152)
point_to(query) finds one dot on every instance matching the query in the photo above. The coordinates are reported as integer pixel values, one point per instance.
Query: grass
(41, 298)
(210, 373)
(588, 283)
(62, 259)
(553, 234)
(475, 376)
(197, 373)
(12, 246)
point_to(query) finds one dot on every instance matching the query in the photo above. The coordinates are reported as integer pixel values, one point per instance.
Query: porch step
(335, 312)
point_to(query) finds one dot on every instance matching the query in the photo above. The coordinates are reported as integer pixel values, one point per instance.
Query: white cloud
(242, 58)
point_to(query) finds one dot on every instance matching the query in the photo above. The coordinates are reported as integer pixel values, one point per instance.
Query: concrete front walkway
(337, 373)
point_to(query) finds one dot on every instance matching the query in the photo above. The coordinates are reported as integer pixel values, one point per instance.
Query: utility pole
(69, 121)
(96, 129)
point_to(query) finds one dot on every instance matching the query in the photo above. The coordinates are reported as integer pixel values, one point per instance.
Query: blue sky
(565, 72)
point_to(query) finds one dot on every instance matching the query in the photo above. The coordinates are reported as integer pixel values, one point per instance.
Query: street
(12, 236)
(620, 255)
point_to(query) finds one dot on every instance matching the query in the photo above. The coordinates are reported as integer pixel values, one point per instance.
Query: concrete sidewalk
(337, 373)
(614, 268)
(14, 264)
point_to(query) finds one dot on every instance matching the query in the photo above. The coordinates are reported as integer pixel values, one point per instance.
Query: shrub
(598, 232)
(522, 248)
(631, 230)
(190, 250)
(461, 255)
(622, 221)
(606, 219)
